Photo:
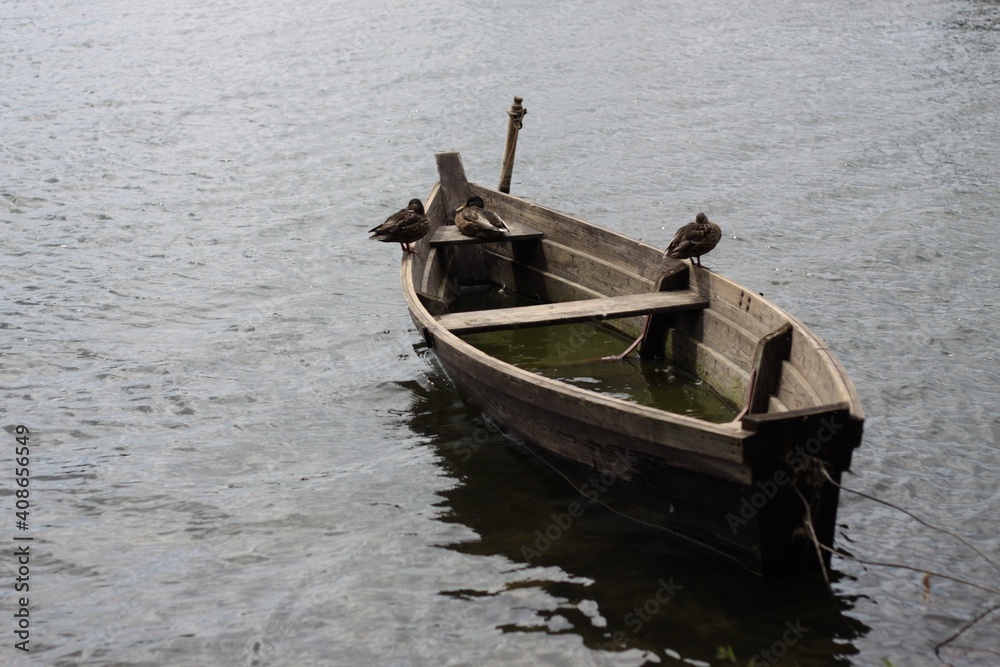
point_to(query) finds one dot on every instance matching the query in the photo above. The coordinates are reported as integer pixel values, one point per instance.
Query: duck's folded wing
(396, 222)
(484, 220)
(682, 246)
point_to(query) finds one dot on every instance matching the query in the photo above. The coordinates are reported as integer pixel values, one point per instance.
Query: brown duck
(694, 239)
(472, 219)
(404, 227)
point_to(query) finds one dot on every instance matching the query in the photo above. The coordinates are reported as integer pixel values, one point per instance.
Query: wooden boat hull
(741, 487)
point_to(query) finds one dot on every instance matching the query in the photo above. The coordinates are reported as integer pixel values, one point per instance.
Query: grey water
(243, 454)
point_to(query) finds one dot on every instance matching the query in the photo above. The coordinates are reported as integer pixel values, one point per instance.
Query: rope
(904, 566)
(812, 531)
(926, 572)
(916, 518)
(958, 633)
(608, 507)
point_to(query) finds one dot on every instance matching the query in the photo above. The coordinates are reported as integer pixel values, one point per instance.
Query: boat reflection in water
(566, 537)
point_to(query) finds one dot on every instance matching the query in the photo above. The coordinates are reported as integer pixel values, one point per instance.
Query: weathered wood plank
(776, 405)
(653, 336)
(676, 276)
(454, 185)
(654, 333)
(532, 282)
(722, 335)
(772, 350)
(429, 268)
(807, 356)
(713, 368)
(741, 306)
(466, 265)
(578, 266)
(434, 206)
(574, 311)
(449, 235)
(628, 253)
(795, 390)
(434, 304)
(437, 279)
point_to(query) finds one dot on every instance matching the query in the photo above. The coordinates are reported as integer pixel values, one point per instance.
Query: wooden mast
(515, 117)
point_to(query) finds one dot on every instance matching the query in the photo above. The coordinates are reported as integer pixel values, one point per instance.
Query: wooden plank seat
(449, 235)
(607, 308)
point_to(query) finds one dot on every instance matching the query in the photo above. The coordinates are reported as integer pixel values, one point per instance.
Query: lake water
(241, 453)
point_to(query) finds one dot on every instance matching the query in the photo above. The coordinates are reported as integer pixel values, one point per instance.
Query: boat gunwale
(438, 332)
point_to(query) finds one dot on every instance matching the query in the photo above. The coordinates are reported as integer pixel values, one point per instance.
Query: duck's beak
(461, 208)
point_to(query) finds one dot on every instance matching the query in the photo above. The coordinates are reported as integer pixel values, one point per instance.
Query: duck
(473, 219)
(403, 227)
(694, 239)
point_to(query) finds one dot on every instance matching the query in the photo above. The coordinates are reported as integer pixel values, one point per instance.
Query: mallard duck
(472, 219)
(694, 239)
(404, 227)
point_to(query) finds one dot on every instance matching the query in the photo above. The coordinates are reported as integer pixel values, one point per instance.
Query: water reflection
(620, 585)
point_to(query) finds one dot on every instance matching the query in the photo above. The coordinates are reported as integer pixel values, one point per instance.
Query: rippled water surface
(243, 455)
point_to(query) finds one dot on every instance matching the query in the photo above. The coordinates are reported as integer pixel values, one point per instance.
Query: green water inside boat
(572, 353)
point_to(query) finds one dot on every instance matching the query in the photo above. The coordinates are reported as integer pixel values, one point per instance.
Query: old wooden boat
(755, 488)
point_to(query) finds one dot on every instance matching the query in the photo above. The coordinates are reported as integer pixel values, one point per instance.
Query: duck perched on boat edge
(473, 219)
(694, 239)
(403, 227)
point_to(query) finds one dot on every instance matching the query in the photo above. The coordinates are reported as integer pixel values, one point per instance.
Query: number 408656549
(21, 474)
(22, 451)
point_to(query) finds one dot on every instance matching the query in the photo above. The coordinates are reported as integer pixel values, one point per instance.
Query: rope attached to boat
(817, 466)
(605, 505)
(809, 474)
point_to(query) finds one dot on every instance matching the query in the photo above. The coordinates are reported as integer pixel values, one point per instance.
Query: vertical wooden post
(515, 117)
(654, 331)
